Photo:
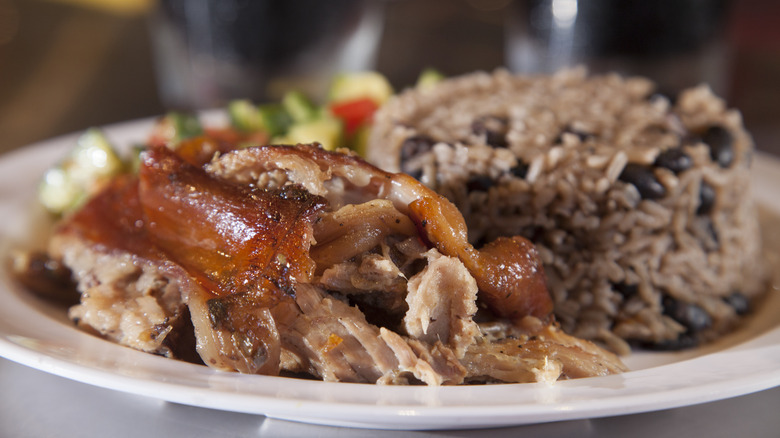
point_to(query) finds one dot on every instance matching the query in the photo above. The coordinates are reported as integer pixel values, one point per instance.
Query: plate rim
(419, 415)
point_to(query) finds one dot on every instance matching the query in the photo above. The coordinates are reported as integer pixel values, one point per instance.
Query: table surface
(64, 68)
(36, 404)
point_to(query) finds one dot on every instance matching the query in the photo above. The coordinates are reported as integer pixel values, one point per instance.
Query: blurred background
(66, 65)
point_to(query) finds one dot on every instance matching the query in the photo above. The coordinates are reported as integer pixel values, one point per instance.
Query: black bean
(713, 233)
(520, 171)
(416, 174)
(695, 318)
(643, 178)
(416, 145)
(626, 289)
(739, 302)
(692, 316)
(721, 144)
(674, 159)
(706, 198)
(479, 183)
(493, 128)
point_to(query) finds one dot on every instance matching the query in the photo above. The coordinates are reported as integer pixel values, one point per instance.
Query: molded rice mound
(638, 203)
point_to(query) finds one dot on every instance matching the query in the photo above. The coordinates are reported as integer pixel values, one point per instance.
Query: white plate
(37, 334)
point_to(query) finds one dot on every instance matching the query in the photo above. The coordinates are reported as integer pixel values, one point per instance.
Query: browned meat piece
(535, 351)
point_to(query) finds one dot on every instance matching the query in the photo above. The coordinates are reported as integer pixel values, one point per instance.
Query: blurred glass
(677, 43)
(210, 51)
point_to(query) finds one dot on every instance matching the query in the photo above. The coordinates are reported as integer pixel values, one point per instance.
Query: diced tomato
(354, 113)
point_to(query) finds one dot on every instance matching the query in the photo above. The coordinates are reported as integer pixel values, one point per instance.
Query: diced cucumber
(272, 118)
(245, 116)
(92, 158)
(428, 78)
(359, 142)
(298, 106)
(175, 127)
(275, 118)
(368, 84)
(58, 192)
(327, 131)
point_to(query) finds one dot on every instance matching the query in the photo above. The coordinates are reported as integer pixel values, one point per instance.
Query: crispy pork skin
(130, 294)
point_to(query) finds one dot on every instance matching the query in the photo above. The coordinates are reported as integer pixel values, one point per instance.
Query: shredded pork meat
(285, 259)
(442, 301)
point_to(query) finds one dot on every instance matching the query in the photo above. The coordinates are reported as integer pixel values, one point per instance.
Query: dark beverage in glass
(211, 51)
(678, 43)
